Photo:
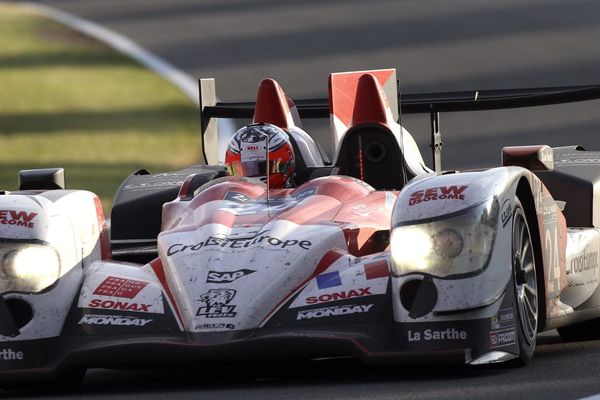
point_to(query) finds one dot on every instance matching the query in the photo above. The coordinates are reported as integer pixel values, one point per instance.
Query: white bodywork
(70, 222)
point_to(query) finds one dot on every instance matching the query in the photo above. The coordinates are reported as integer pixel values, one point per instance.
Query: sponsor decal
(333, 311)
(577, 161)
(377, 269)
(11, 355)
(17, 218)
(503, 338)
(120, 287)
(227, 276)
(305, 193)
(437, 193)
(260, 239)
(237, 197)
(504, 319)
(116, 320)
(436, 334)
(362, 209)
(151, 185)
(215, 326)
(328, 280)
(253, 152)
(374, 270)
(324, 298)
(506, 213)
(216, 304)
(119, 305)
(586, 261)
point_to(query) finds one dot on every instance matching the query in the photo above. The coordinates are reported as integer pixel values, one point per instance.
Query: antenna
(268, 168)
(404, 172)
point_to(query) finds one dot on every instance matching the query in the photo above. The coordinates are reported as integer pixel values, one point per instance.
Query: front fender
(441, 196)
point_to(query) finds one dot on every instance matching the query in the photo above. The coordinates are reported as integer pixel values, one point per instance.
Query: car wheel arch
(525, 196)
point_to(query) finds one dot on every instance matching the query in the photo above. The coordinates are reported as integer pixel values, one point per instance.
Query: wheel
(587, 330)
(525, 283)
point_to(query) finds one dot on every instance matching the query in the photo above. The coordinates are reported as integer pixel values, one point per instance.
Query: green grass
(69, 101)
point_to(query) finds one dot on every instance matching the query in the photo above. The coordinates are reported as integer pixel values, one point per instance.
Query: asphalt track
(436, 45)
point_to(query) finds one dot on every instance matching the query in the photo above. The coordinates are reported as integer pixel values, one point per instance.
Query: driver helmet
(247, 155)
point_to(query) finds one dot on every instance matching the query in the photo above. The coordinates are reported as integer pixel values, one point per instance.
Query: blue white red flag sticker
(329, 279)
(365, 278)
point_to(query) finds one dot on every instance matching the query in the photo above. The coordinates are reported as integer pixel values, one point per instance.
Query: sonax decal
(119, 305)
(341, 295)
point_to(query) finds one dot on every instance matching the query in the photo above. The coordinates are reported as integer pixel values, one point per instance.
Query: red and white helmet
(247, 155)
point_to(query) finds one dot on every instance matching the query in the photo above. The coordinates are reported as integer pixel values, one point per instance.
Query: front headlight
(27, 267)
(453, 245)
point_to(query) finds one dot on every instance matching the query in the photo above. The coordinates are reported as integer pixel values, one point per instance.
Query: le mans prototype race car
(373, 255)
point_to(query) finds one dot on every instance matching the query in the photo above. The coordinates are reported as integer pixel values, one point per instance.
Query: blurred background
(79, 104)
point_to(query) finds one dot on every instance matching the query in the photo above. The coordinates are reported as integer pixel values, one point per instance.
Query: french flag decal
(330, 279)
(377, 269)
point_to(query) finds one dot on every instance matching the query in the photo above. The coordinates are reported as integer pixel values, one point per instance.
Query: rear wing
(426, 103)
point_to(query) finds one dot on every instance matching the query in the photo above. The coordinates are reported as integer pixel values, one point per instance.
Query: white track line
(124, 45)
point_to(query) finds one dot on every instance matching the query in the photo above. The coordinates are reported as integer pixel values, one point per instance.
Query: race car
(372, 255)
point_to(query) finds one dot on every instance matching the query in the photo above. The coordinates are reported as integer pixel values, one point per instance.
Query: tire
(587, 330)
(525, 285)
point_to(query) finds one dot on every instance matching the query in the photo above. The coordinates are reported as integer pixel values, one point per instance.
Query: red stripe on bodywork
(377, 269)
(105, 252)
(158, 269)
(326, 261)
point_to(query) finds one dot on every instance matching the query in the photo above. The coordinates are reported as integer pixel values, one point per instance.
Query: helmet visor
(255, 168)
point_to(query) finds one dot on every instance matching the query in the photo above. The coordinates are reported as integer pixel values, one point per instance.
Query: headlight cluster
(452, 245)
(27, 267)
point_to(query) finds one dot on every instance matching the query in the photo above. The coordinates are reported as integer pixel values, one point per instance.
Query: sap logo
(435, 335)
(227, 277)
(333, 311)
(17, 218)
(11, 355)
(324, 298)
(118, 305)
(437, 193)
(116, 320)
